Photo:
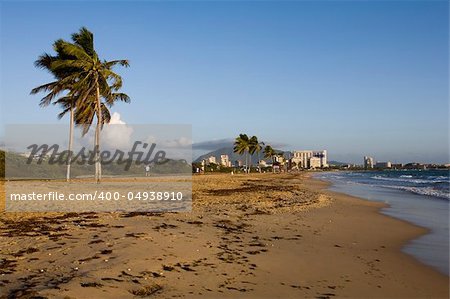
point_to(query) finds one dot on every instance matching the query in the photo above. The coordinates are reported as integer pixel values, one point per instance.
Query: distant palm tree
(255, 146)
(95, 83)
(242, 146)
(269, 152)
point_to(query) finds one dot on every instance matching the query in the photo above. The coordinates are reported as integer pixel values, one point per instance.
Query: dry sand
(262, 235)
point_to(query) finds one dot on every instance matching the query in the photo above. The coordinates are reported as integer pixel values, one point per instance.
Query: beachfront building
(314, 162)
(368, 162)
(211, 159)
(238, 163)
(397, 165)
(262, 163)
(383, 164)
(278, 159)
(301, 158)
(225, 161)
(310, 159)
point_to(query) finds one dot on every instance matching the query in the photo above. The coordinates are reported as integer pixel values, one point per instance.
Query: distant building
(383, 165)
(368, 162)
(279, 159)
(314, 162)
(225, 161)
(238, 163)
(415, 166)
(262, 163)
(303, 159)
(397, 166)
(211, 159)
(322, 155)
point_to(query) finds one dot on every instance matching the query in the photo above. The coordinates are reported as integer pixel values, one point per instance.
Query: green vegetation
(269, 152)
(243, 145)
(89, 84)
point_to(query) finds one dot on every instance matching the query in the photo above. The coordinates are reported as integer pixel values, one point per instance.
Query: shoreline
(409, 230)
(379, 207)
(261, 235)
(428, 248)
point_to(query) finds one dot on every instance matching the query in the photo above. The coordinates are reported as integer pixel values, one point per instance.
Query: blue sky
(354, 77)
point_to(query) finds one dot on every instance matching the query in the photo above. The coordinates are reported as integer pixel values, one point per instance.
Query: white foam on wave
(397, 184)
(405, 180)
(427, 191)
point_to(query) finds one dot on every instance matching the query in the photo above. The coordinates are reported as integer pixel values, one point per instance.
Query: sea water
(421, 197)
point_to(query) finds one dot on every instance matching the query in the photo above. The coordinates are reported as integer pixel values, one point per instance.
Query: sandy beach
(252, 236)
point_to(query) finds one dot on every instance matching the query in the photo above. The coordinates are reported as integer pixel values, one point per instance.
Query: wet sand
(262, 235)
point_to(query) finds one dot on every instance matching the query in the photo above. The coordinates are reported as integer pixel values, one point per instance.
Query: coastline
(430, 213)
(397, 233)
(261, 235)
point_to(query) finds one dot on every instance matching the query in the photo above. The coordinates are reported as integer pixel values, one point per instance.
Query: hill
(19, 168)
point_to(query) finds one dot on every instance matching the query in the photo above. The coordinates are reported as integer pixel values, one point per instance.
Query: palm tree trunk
(259, 166)
(248, 163)
(98, 166)
(69, 158)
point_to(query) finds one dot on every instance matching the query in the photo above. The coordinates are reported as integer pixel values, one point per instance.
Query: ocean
(421, 197)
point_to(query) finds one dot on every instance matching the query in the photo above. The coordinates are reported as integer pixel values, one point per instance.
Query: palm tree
(63, 82)
(255, 146)
(95, 82)
(242, 146)
(269, 152)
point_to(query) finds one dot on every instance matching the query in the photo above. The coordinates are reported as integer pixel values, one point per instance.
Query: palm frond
(75, 50)
(111, 64)
(85, 39)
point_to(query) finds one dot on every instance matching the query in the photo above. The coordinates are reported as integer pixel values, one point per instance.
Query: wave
(414, 181)
(428, 191)
(436, 186)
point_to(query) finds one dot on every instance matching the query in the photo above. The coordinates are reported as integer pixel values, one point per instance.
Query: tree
(269, 152)
(95, 83)
(255, 146)
(63, 82)
(242, 146)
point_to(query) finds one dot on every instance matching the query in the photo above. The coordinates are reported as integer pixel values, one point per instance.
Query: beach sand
(255, 236)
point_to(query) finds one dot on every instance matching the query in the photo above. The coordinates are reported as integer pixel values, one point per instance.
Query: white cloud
(181, 142)
(117, 134)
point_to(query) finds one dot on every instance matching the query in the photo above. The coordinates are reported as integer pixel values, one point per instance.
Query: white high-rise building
(303, 159)
(314, 162)
(368, 162)
(322, 155)
(211, 159)
(225, 161)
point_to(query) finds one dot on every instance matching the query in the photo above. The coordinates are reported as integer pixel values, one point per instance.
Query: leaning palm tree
(63, 82)
(242, 146)
(96, 83)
